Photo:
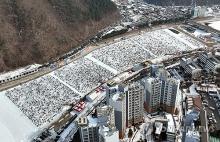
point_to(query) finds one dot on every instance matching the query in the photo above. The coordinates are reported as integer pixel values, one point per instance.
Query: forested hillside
(35, 31)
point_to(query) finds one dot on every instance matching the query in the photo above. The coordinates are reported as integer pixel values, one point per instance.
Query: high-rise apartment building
(135, 103)
(118, 101)
(106, 116)
(162, 92)
(127, 101)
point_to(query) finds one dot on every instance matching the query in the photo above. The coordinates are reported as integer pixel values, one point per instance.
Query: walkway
(89, 56)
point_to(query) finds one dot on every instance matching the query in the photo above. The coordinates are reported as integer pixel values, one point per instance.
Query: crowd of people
(127, 52)
(122, 54)
(41, 99)
(159, 42)
(191, 40)
(83, 75)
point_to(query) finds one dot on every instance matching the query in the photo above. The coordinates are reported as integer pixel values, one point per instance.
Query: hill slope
(39, 30)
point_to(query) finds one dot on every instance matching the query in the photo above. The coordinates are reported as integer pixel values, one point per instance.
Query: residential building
(189, 66)
(100, 127)
(135, 103)
(162, 92)
(89, 129)
(171, 128)
(117, 99)
(68, 133)
(106, 116)
(174, 73)
(199, 11)
(208, 61)
(127, 101)
(106, 120)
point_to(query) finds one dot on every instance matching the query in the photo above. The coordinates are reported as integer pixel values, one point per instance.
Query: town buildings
(208, 61)
(99, 127)
(118, 101)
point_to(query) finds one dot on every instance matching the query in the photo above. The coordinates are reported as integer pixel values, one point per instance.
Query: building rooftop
(193, 91)
(159, 127)
(175, 74)
(192, 136)
(93, 121)
(117, 97)
(194, 102)
(191, 116)
(214, 60)
(108, 134)
(171, 127)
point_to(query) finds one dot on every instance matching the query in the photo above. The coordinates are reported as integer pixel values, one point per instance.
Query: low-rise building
(192, 136)
(189, 66)
(159, 127)
(208, 61)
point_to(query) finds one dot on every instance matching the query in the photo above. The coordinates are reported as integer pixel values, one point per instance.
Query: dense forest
(35, 31)
(182, 2)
